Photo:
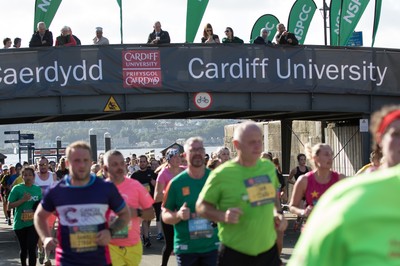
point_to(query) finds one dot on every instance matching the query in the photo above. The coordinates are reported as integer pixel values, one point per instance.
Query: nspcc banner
(334, 21)
(45, 11)
(267, 21)
(300, 18)
(194, 15)
(352, 10)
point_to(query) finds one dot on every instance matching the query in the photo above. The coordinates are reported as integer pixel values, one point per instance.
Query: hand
(280, 222)
(103, 237)
(184, 212)
(307, 211)
(289, 40)
(232, 215)
(285, 33)
(50, 243)
(26, 197)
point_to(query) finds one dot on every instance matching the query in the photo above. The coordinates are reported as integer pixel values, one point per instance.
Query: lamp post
(93, 143)
(324, 11)
(107, 141)
(58, 145)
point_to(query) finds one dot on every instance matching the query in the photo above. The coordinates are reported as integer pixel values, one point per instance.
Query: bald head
(243, 128)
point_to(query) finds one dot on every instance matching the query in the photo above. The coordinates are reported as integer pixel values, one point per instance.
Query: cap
(99, 29)
(18, 165)
(5, 167)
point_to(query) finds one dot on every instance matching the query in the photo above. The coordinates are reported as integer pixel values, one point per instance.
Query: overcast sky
(139, 16)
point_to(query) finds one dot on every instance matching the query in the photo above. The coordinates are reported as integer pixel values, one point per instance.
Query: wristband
(139, 212)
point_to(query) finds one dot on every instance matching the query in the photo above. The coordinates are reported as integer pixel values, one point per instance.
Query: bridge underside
(256, 106)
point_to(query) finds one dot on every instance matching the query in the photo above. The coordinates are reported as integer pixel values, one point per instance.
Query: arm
(158, 192)
(208, 210)
(164, 38)
(299, 191)
(174, 217)
(19, 202)
(72, 41)
(42, 228)
(104, 236)
(291, 175)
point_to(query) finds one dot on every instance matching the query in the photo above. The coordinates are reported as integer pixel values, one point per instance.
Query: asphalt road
(9, 248)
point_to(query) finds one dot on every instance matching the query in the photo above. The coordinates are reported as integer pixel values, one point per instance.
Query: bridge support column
(93, 144)
(107, 141)
(366, 144)
(286, 143)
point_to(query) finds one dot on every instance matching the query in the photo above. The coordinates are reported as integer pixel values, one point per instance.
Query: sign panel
(112, 105)
(27, 144)
(26, 136)
(364, 127)
(11, 141)
(202, 100)
(11, 132)
(356, 39)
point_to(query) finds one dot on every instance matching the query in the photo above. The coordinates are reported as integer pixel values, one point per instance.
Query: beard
(197, 161)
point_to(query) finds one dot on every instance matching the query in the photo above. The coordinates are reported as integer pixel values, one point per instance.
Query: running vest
(315, 189)
(44, 184)
(299, 173)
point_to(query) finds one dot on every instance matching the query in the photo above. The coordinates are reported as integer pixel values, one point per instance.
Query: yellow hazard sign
(112, 105)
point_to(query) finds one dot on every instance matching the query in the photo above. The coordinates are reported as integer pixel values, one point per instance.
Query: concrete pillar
(93, 143)
(286, 143)
(107, 141)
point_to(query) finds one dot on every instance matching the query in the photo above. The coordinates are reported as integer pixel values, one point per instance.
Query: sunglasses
(209, 30)
(227, 31)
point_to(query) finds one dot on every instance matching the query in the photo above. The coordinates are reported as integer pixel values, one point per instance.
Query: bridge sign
(11, 132)
(26, 136)
(202, 100)
(12, 141)
(112, 105)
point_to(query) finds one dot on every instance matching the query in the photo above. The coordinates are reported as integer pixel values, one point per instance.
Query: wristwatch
(139, 212)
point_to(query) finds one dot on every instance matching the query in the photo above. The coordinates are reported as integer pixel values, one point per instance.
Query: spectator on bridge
(17, 43)
(230, 37)
(42, 37)
(285, 37)
(100, 39)
(66, 38)
(209, 36)
(158, 36)
(7, 43)
(263, 38)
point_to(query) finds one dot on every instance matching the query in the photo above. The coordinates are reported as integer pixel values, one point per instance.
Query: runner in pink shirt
(125, 245)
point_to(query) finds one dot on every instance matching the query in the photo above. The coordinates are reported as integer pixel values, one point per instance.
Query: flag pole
(120, 16)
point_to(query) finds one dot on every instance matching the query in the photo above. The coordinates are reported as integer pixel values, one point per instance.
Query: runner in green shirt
(195, 239)
(241, 196)
(25, 198)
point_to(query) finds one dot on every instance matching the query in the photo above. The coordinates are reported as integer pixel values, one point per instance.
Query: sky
(83, 16)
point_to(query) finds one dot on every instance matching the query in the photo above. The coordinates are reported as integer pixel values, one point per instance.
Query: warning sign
(112, 105)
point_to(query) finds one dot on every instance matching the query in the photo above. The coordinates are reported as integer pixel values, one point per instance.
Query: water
(13, 158)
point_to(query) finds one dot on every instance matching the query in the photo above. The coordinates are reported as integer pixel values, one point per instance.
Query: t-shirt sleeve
(116, 202)
(212, 189)
(15, 194)
(47, 201)
(162, 177)
(145, 199)
(170, 197)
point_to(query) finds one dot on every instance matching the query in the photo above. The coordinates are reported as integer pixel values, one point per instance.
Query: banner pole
(121, 28)
(325, 26)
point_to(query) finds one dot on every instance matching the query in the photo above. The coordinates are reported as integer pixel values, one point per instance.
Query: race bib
(83, 238)
(260, 190)
(200, 228)
(147, 186)
(27, 215)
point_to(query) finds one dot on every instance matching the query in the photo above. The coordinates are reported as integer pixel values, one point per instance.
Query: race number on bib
(260, 190)
(200, 228)
(83, 238)
(27, 215)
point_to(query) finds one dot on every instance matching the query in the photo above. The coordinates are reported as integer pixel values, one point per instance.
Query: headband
(171, 153)
(387, 120)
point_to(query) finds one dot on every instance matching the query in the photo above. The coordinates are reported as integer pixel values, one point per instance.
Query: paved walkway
(9, 249)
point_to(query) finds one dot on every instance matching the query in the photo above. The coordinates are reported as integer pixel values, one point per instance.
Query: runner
(314, 183)
(196, 241)
(299, 170)
(356, 222)
(81, 201)
(125, 246)
(170, 170)
(24, 198)
(241, 195)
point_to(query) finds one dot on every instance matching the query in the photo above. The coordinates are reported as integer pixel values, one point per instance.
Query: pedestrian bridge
(195, 81)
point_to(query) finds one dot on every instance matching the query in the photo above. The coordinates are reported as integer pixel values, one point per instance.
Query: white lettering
(82, 68)
(43, 6)
(191, 68)
(352, 10)
(22, 75)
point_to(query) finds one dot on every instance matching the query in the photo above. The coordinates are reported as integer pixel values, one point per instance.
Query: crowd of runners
(210, 210)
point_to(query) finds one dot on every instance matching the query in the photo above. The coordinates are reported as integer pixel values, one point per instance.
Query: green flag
(300, 18)
(378, 6)
(352, 11)
(194, 15)
(120, 20)
(267, 21)
(45, 10)
(334, 21)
